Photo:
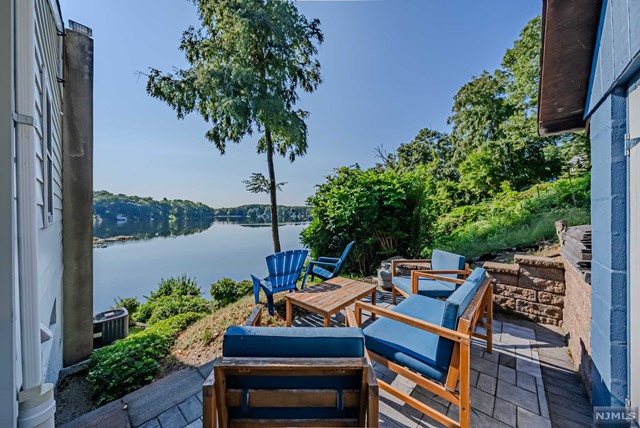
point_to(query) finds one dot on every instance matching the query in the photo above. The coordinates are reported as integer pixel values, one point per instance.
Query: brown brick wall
(577, 321)
(533, 287)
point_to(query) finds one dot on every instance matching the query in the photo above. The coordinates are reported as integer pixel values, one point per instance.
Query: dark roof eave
(569, 34)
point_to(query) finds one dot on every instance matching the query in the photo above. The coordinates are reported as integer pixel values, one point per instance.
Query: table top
(332, 295)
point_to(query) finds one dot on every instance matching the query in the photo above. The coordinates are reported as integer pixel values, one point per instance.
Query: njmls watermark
(622, 416)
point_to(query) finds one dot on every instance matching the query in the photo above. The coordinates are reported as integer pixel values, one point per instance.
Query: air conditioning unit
(109, 326)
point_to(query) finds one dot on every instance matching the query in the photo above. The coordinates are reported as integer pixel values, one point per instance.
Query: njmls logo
(614, 415)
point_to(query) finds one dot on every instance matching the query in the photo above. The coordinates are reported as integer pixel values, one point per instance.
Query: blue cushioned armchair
(446, 272)
(428, 341)
(284, 270)
(326, 267)
(300, 376)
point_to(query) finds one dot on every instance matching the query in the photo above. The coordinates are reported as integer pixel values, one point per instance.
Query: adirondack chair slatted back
(284, 268)
(344, 255)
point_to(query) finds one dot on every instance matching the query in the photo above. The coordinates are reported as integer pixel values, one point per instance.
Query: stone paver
(172, 418)
(191, 408)
(525, 382)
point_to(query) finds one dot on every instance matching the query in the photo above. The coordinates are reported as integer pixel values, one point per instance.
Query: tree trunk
(272, 192)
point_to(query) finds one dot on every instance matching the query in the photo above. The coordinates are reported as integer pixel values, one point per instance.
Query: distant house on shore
(45, 206)
(590, 79)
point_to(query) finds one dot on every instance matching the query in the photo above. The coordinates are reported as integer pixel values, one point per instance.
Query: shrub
(167, 306)
(226, 290)
(131, 304)
(133, 362)
(182, 285)
(384, 211)
(174, 296)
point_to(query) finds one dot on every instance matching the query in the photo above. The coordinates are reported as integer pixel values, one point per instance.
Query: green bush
(174, 296)
(226, 290)
(167, 306)
(133, 362)
(182, 285)
(384, 211)
(131, 304)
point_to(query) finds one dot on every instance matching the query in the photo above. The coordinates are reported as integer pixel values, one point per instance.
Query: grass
(484, 237)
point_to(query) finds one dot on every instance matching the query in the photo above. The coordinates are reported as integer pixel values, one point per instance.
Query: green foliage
(107, 206)
(174, 296)
(226, 290)
(383, 211)
(182, 285)
(264, 212)
(247, 63)
(513, 218)
(131, 304)
(133, 362)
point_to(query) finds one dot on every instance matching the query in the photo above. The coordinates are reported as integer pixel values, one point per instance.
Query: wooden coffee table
(329, 297)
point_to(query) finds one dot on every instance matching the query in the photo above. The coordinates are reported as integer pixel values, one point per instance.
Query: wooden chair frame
(216, 397)
(425, 273)
(479, 312)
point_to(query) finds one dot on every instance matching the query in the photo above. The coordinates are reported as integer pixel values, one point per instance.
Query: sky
(389, 69)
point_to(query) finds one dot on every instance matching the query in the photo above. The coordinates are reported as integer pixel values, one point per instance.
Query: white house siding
(50, 268)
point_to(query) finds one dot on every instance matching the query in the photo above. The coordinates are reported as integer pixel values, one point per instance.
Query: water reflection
(150, 229)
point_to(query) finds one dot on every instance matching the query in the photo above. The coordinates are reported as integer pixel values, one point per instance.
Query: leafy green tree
(248, 61)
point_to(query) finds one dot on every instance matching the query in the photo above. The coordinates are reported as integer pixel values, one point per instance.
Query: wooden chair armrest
(255, 319)
(396, 261)
(427, 274)
(350, 317)
(414, 322)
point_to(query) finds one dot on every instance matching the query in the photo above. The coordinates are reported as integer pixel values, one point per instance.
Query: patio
(528, 381)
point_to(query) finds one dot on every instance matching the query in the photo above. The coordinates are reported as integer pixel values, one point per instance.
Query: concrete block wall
(533, 287)
(609, 263)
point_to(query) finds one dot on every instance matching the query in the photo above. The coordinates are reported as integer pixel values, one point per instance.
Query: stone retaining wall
(577, 320)
(533, 287)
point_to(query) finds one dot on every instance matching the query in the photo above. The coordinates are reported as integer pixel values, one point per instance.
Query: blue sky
(390, 68)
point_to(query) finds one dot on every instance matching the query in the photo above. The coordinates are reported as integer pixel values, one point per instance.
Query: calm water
(206, 251)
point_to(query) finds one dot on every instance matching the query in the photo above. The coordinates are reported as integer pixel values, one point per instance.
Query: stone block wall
(533, 287)
(577, 320)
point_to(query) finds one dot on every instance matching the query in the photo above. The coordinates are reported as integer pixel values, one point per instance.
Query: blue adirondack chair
(284, 270)
(326, 267)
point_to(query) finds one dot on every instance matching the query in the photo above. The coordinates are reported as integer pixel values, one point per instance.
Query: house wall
(9, 359)
(48, 60)
(616, 60)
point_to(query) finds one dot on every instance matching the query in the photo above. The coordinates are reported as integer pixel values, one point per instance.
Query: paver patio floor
(527, 381)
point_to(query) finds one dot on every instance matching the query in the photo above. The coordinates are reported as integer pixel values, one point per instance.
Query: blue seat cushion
(421, 351)
(321, 272)
(426, 287)
(299, 342)
(443, 260)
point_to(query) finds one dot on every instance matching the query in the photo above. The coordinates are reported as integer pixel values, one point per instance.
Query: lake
(207, 251)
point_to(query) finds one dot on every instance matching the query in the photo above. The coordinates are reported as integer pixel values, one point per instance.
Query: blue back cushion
(459, 300)
(297, 342)
(443, 260)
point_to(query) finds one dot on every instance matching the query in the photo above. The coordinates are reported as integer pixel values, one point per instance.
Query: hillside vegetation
(488, 184)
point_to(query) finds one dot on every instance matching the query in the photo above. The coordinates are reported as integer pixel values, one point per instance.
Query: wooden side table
(329, 297)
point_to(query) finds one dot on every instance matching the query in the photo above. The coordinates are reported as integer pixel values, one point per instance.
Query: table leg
(289, 313)
(327, 319)
(373, 302)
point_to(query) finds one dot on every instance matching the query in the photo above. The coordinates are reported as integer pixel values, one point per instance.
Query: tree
(248, 62)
